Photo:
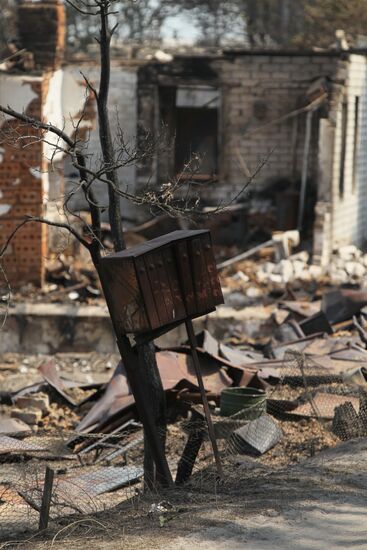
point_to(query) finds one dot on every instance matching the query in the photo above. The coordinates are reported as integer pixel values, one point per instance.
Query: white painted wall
(16, 91)
(63, 105)
(348, 212)
(122, 109)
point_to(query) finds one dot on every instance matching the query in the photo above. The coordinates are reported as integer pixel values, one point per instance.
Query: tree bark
(105, 137)
(146, 353)
(149, 367)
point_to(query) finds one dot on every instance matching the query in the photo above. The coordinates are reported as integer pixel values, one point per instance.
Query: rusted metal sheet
(221, 354)
(177, 368)
(257, 437)
(116, 399)
(13, 426)
(305, 345)
(238, 357)
(333, 366)
(323, 346)
(50, 374)
(302, 309)
(341, 304)
(315, 324)
(60, 384)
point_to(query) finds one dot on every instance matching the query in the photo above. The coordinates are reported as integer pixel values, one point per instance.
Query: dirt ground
(294, 496)
(317, 504)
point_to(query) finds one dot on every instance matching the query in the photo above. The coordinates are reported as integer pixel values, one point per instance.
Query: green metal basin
(245, 403)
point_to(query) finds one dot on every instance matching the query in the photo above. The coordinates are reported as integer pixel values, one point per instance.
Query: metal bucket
(244, 403)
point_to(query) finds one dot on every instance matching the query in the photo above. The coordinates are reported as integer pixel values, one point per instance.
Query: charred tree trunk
(150, 372)
(147, 361)
(141, 367)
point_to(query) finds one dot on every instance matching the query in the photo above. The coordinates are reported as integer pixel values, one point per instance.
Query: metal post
(306, 153)
(193, 344)
(196, 437)
(46, 499)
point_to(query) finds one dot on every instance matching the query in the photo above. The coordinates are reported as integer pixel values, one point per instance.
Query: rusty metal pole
(195, 358)
(46, 499)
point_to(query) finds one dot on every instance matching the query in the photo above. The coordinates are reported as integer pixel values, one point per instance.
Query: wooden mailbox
(156, 285)
(152, 287)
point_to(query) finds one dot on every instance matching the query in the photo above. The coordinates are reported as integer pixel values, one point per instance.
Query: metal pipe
(306, 153)
(245, 255)
(193, 344)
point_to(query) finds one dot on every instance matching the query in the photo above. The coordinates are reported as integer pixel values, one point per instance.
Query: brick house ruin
(48, 92)
(304, 112)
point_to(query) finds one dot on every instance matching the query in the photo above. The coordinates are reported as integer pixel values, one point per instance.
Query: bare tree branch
(38, 219)
(105, 131)
(81, 166)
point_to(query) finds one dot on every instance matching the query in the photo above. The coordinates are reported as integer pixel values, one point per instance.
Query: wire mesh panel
(311, 407)
(107, 472)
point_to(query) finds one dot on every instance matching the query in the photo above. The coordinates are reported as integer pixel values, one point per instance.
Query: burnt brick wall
(258, 91)
(23, 167)
(255, 91)
(22, 194)
(41, 27)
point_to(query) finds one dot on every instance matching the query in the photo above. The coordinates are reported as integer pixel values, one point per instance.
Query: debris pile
(294, 268)
(278, 399)
(277, 265)
(348, 265)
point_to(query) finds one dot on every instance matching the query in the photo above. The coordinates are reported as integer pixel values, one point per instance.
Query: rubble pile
(348, 265)
(312, 390)
(278, 398)
(73, 280)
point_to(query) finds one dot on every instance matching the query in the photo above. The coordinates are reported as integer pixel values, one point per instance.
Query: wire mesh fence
(306, 409)
(303, 410)
(90, 474)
